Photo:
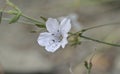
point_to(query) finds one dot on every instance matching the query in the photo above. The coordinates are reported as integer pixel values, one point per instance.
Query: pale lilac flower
(57, 34)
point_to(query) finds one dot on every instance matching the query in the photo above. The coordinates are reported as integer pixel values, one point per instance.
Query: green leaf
(33, 31)
(43, 18)
(40, 25)
(15, 18)
(86, 65)
(1, 16)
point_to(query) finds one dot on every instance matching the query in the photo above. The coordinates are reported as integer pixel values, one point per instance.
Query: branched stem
(25, 16)
(96, 40)
(40, 24)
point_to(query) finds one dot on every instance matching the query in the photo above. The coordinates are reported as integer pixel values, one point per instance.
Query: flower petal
(52, 25)
(53, 47)
(44, 38)
(65, 25)
(64, 42)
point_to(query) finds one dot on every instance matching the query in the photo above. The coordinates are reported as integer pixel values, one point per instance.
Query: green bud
(74, 39)
(86, 65)
(15, 18)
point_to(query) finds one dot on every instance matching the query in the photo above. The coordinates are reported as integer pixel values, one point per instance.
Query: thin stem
(7, 19)
(30, 18)
(89, 71)
(88, 38)
(118, 23)
(25, 16)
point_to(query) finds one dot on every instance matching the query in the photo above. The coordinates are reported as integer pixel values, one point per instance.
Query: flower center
(58, 36)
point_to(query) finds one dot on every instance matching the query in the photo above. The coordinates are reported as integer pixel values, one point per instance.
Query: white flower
(57, 34)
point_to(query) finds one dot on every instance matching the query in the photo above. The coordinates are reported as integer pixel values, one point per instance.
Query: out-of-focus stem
(93, 27)
(30, 18)
(25, 16)
(7, 19)
(88, 38)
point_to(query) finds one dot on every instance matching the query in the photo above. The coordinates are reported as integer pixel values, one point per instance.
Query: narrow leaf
(33, 31)
(43, 18)
(40, 25)
(15, 18)
(1, 16)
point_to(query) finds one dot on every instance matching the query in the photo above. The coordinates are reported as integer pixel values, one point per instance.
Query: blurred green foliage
(106, 2)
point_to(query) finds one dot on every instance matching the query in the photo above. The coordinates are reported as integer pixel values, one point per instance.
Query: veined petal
(44, 34)
(65, 35)
(64, 42)
(65, 25)
(56, 35)
(52, 25)
(44, 38)
(53, 47)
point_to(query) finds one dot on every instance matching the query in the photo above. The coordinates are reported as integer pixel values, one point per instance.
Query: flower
(57, 34)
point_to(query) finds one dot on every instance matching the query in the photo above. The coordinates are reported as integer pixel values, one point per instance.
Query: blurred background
(21, 54)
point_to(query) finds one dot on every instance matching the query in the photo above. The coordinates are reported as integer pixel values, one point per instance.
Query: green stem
(7, 19)
(88, 38)
(84, 30)
(89, 71)
(25, 16)
(30, 18)
(99, 41)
